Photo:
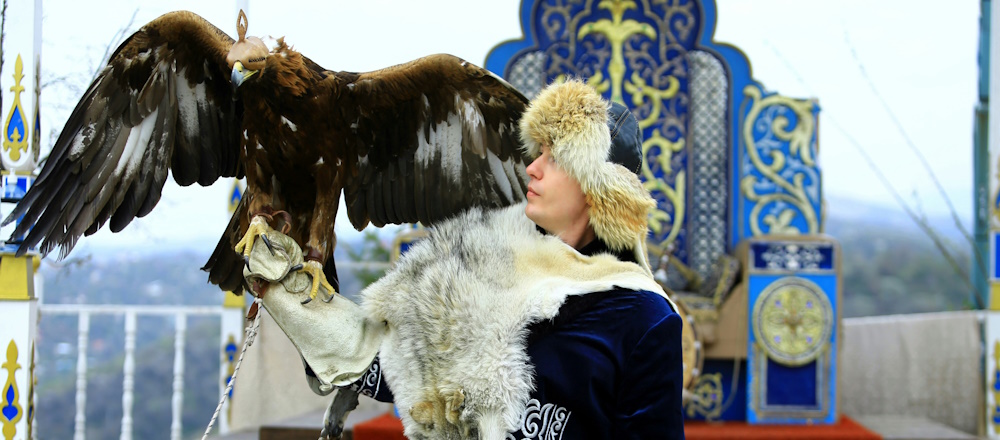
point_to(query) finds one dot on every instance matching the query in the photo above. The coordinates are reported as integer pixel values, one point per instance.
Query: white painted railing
(232, 331)
(84, 312)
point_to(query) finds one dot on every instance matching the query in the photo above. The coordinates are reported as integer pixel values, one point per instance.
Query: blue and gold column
(234, 307)
(18, 330)
(793, 286)
(19, 150)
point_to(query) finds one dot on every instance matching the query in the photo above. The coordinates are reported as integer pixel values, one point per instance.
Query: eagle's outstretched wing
(420, 141)
(163, 102)
(433, 137)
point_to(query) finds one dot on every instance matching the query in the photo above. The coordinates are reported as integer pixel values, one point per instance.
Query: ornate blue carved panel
(714, 183)
(793, 291)
(726, 161)
(779, 179)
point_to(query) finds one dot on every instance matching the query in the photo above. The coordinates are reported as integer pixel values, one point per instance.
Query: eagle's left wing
(164, 102)
(432, 138)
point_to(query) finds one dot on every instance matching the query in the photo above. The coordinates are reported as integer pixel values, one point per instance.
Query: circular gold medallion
(792, 320)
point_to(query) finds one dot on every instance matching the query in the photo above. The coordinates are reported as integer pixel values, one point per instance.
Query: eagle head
(247, 55)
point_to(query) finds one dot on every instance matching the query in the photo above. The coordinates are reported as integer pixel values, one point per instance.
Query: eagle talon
(246, 261)
(306, 301)
(258, 227)
(267, 242)
(315, 270)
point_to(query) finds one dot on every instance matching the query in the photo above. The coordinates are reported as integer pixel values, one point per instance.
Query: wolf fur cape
(449, 322)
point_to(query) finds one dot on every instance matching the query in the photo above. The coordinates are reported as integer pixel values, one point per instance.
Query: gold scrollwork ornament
(10, 407)
(705, 397)
(799, 140)
(792, 321)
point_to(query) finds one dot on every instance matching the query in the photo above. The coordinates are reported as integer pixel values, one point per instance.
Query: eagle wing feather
(163, 102)
(436, 136)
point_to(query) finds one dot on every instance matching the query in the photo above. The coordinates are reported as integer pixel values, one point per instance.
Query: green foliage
(371, 249)
(888, 269)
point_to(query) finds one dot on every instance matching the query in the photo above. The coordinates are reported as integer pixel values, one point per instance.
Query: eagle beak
(240, 74)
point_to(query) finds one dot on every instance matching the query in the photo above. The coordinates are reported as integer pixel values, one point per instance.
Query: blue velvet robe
(608, 366)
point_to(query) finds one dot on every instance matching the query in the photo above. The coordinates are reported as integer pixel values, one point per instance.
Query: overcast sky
(919, 56)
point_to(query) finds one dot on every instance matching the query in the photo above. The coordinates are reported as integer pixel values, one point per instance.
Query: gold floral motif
(799, 140)
(228, 359)
(33, 384)
(995, 417)
(792, 321)
(706, 397)
(10, 408)
(651, 89)
(995, 198)
(617, 30)
(17, 141)
(641, 92)
(660, 220)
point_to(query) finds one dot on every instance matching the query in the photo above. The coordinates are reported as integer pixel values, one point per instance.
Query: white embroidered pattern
(370, 382)
(543, 422)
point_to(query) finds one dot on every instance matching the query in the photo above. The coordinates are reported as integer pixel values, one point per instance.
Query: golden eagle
(414, 142)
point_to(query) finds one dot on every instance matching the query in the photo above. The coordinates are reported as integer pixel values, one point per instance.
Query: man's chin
(531, 213)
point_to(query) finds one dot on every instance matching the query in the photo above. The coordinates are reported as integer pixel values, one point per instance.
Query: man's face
(555, 200)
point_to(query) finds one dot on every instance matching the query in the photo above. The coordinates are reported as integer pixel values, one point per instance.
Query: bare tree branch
(112, 45)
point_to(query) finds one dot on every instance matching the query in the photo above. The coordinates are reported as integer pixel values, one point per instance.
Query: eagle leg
(258, 226)
(314, 269)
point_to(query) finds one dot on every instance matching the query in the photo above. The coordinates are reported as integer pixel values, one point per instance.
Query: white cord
(251, 332)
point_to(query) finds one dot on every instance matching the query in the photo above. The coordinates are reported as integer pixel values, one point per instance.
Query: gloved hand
(334, 336)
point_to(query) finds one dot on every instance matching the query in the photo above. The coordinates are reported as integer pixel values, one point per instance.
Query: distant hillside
(890, 266)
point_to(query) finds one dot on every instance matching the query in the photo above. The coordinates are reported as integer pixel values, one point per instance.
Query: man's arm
(649, 398)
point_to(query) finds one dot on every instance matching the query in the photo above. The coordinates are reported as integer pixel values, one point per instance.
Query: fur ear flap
(619, 206)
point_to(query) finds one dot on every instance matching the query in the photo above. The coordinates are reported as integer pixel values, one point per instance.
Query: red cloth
(384, 427)
(844, 429)
(388, 427)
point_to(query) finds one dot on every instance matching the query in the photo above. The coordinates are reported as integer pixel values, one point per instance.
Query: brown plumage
(416, 142)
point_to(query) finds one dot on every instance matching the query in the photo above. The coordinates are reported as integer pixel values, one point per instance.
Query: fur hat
(572, 119)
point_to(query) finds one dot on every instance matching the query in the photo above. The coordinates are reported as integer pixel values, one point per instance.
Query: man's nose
(534, 169)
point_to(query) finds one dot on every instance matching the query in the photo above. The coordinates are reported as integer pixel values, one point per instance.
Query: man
(613, 357)
(540, 320)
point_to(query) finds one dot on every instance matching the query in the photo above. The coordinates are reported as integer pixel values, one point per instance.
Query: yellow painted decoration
(17, 140)
(792, 321)
(233, 300)
(799, 139)
(32, 384)
(995, 417)
(235, 195)
(995, 198)
(10, 407)
(706, 397)
(641, 92)
(15, 277)
(229, 358)
(660, 220)
(617, 31)
(995, 295)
